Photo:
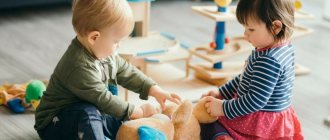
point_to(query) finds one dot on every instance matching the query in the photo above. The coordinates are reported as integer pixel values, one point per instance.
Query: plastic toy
(145, 47)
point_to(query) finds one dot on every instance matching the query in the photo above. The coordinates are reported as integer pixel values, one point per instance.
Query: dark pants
(212, 131)
(81, 121)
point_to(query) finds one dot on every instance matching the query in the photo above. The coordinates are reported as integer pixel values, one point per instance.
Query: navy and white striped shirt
(265, 85)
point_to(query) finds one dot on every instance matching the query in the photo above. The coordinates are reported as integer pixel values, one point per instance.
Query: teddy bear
(177, 122)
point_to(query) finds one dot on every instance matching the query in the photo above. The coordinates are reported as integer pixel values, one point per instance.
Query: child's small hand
(213, 93)
(149, 110)
(162, 95)
(214, 106)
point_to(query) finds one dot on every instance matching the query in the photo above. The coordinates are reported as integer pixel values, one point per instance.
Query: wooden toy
(155, 48)
(149, 47)
(141, 10)
(297, 4)
(221, 50)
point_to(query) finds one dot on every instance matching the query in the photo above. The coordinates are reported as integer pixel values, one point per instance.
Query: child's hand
(162, 95)
(149, 110)
(145, 110)
(214, 106)
(213, 93)
(137, 113)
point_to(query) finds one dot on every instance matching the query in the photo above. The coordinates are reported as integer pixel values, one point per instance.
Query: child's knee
(90, 124)
(91, 110)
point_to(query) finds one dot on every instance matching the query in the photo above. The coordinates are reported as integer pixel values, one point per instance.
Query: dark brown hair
(268, 11)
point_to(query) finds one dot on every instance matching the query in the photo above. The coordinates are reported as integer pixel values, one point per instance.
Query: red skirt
(264, 125)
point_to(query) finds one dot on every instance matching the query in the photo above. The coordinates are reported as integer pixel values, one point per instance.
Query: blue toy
(220, 37)
(15, 105)
(148, 133)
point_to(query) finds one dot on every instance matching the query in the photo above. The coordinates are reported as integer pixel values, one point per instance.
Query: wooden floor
(33, 40)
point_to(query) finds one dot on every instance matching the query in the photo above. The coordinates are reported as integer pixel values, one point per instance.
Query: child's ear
(92, 37)
(277, 27)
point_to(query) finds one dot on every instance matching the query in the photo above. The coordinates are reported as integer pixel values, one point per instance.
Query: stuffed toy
(177, 122)
(159, 123)
(34, 91)
(12, 95)
(19, 97)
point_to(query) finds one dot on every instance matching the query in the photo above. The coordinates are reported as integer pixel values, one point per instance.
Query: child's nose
(245, 33)
(246, 36)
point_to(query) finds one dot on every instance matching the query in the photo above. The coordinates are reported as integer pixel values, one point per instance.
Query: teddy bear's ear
(183, 112)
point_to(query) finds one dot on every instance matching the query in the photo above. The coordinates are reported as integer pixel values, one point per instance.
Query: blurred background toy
(19, 97)
(297, 4)
(12, 95)
(34, 91)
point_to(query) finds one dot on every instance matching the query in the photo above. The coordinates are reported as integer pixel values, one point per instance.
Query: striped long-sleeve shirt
(265, 85)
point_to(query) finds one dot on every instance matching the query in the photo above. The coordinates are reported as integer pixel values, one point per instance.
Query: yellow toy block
(222, 3)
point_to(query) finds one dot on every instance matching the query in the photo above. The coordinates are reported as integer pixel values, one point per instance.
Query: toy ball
(222, 3)
(34, 92)
(227, 40)
(297, 4)
(213, 45)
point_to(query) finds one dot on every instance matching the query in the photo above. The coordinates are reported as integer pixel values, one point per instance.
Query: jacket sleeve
(228, 90)
(133, 79)
(85, 82)
(265, 75)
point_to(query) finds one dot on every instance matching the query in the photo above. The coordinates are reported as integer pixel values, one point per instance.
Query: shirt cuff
(148, 83)
(130, 109)
(225, 109)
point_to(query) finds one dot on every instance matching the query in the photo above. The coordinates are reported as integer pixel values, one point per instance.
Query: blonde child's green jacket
(79, 77)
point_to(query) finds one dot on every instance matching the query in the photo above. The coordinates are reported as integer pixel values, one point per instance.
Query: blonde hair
(268, 11)
(94, 15)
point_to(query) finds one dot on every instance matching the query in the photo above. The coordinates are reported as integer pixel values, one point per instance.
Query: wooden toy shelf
(236, 46)
(212, 13)
(147, 47)
(152, 49)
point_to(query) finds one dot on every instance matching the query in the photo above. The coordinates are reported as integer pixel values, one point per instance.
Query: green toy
(34, 92)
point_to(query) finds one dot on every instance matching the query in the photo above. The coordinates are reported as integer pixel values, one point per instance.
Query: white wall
(327, 10)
